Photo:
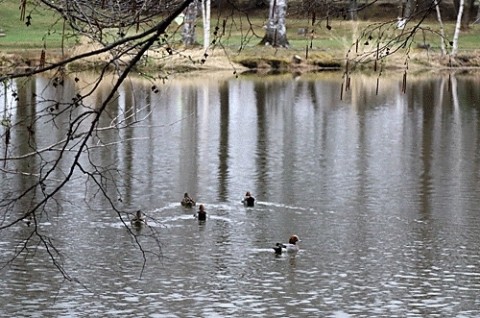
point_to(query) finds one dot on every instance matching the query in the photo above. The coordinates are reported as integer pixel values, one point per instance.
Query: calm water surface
(382, 190)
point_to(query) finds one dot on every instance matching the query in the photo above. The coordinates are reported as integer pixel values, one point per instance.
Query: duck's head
(293, 239)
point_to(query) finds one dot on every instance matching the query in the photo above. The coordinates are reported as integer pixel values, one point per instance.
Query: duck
(28, 220)
(201, 214)
(187, 201)
(290, 247)
(139, 219)
(248, 199)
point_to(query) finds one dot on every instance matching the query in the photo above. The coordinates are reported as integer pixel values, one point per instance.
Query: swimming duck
(290, 247)
(201, 214)
(139, 219)
(187, 201)
(248, 199)
(28, 220)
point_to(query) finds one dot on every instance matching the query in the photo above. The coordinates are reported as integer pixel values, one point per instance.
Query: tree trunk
(477, 19)
(188, 31)
(206, 23)
(442, 30)
(276, 30)
(467, 14)
(457, 28)
(353, 10)
(408, 8)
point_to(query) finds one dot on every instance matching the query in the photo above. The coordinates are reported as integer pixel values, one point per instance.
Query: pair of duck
(139, 219)
(290, 247)
(188, 202)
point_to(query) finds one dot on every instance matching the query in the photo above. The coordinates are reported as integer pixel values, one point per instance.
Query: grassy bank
(44, 30)
(310, 47)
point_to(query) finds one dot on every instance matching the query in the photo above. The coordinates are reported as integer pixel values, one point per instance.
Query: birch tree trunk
(458, 26)
(276, 30)
(442, 31)
(188, 31)
(406, 12)
(206, 23)
(468, 14)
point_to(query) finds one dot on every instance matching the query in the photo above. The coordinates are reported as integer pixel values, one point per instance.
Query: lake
(381, 184)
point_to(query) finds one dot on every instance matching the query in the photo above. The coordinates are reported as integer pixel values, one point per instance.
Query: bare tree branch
(76, 143)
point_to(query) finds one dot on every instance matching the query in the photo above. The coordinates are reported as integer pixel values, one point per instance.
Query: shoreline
(266, 60)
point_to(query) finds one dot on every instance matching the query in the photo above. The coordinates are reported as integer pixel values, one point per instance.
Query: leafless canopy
(111, 13)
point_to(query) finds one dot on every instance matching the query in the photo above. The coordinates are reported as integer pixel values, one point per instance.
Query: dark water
(382, 190)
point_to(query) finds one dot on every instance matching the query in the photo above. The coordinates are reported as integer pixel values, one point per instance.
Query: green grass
(340, 36)
(45, 30)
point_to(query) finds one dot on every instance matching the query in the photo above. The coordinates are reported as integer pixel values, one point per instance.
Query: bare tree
(56, 163)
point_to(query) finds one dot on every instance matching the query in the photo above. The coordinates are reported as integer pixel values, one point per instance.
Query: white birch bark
(457, 28)
(206, 23)
(442, 30)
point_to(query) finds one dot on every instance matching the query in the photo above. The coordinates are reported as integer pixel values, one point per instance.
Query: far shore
(265, 59)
